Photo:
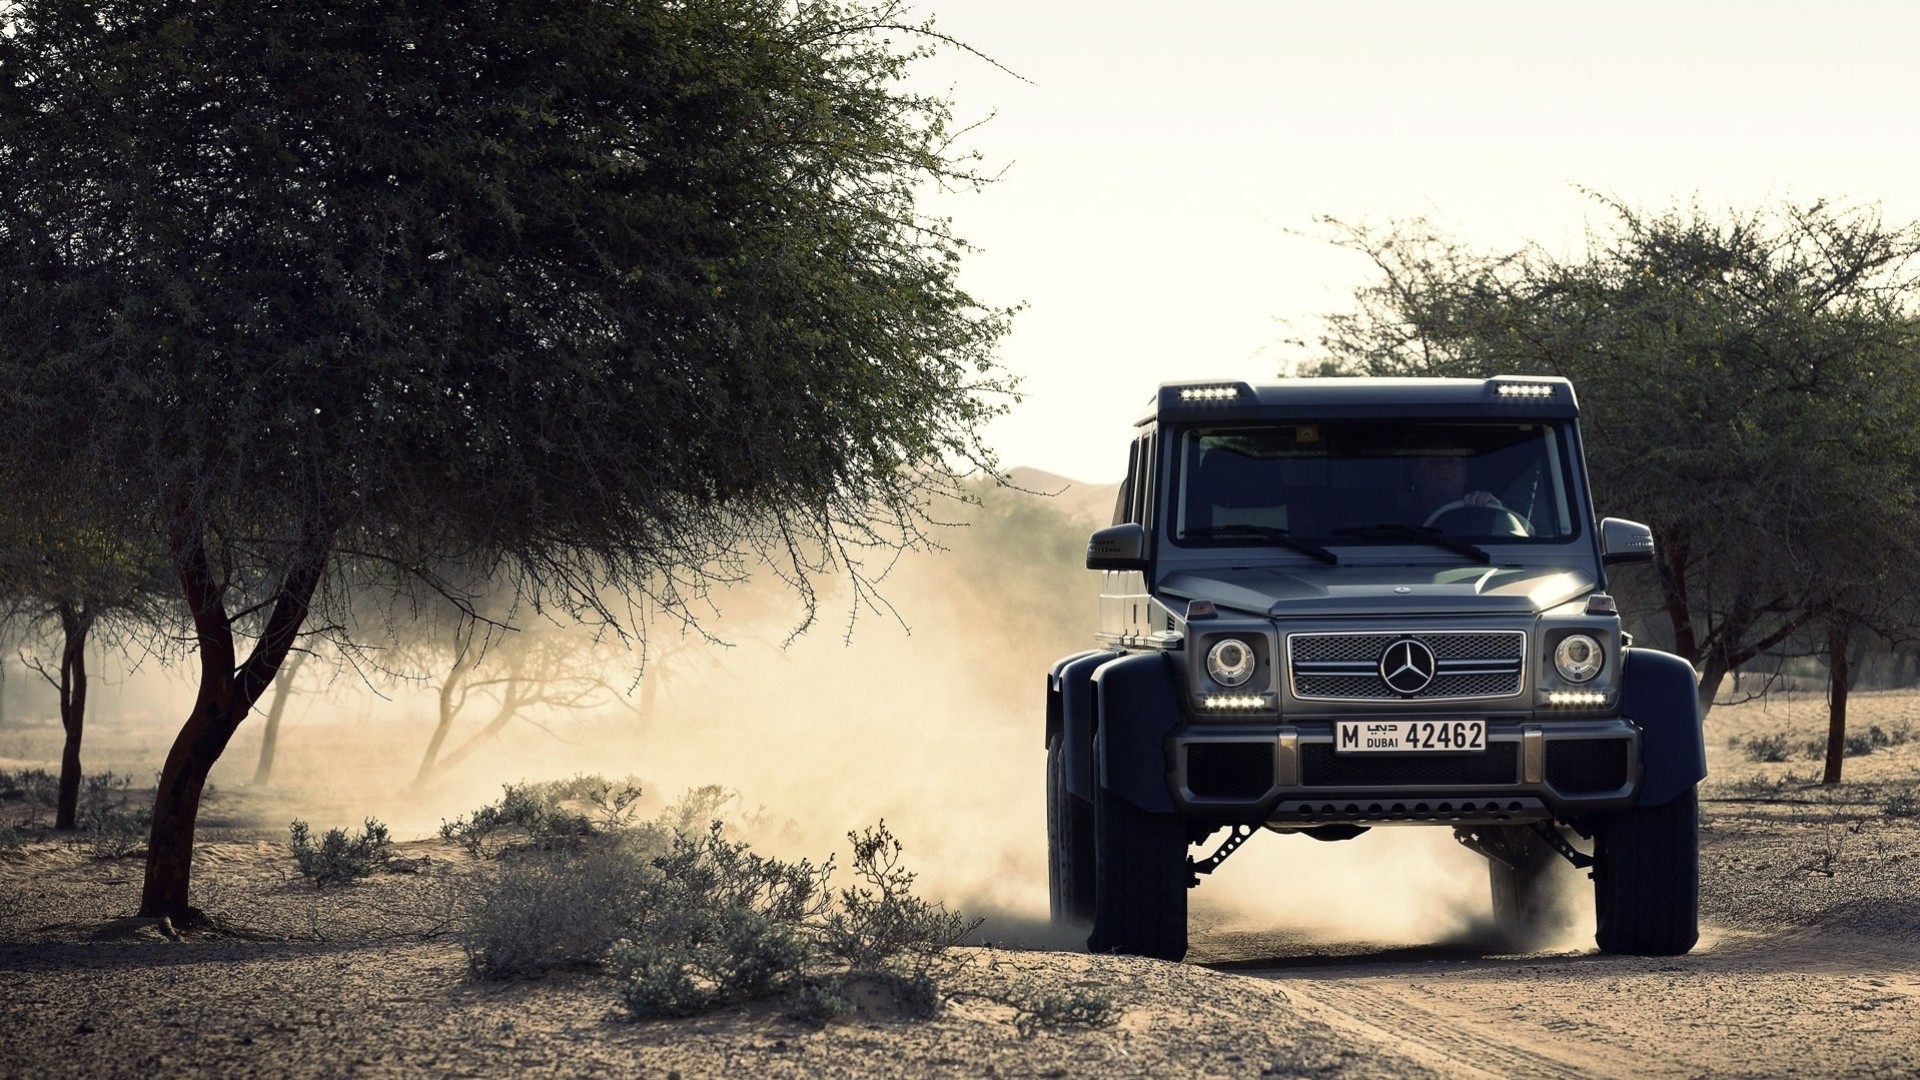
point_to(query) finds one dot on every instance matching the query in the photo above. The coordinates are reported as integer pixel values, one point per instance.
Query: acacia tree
(601, 299)
(59, 591)
(1750, 390)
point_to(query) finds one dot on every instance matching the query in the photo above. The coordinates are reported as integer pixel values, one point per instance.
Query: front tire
(1646, 879)
(1140, 879)
(1069, 843)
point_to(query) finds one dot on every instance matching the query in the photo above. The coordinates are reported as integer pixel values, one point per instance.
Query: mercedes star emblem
(1407, 666)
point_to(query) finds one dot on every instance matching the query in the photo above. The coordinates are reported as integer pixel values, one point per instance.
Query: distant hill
(1092, 503)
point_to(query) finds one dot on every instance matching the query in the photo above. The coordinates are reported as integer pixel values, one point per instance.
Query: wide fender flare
(1660, 693)
(1070, 714)
(1139, 703)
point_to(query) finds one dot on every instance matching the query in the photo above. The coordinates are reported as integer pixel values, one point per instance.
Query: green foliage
(646, 289)
(340, 859)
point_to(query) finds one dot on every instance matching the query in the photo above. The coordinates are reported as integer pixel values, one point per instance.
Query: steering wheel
(1514, 524)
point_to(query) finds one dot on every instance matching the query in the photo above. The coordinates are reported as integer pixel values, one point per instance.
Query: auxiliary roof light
(1524, 390)
(1209, 393)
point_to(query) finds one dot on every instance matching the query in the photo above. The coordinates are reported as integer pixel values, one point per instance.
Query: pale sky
(1165, 158)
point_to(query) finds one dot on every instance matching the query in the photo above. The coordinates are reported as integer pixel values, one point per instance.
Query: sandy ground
(1809, 966)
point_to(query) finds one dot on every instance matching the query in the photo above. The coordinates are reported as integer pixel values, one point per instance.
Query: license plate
(1409, 736)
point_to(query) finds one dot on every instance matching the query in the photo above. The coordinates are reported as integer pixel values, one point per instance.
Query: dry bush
(547, 815)
(719, 924)
(544, 910)
(340, 859)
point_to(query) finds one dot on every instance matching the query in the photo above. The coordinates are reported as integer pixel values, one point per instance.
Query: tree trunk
(75, 622)
(511, 700)
(463, 666)
(270, 739)
(225, 696)
(1839, 678)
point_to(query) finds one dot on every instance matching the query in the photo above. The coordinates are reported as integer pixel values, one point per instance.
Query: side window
(1123, 498)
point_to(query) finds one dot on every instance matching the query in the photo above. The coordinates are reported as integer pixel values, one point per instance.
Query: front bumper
(1289, 775)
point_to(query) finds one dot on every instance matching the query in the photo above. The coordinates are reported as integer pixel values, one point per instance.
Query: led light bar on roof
(1524, 390)
(1209, 393)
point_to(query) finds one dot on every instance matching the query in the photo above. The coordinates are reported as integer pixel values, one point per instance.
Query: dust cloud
(931, 722)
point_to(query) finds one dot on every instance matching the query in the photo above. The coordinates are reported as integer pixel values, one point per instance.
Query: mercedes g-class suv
(1335, 604)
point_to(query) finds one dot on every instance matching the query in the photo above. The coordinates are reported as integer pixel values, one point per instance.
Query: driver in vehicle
(1440, 484)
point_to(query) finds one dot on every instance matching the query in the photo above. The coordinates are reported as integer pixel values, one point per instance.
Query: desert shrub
(13, 837)
(1902, 804)
(719, 924)
(37, 790)
(340, 859)
(548, 910)
(547, 815)
(697, 808)
(689, 920)
(109, 828)
(879, 925)
(1036, 1007)
(1857, 743)
(1775, 747)
(820, 1001)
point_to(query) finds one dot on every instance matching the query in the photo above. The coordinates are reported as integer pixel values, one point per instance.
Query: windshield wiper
(1393, 530)
(1270, 534)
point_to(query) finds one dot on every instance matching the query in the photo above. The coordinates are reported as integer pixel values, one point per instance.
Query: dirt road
(1804, 1002)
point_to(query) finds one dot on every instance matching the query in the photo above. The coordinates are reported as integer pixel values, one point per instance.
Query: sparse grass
(36, 790)
(1037, 1007)
(340, 859)
(1902, 804)
(109, 828)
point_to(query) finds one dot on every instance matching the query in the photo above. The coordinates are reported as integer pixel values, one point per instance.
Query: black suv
(1335, 604)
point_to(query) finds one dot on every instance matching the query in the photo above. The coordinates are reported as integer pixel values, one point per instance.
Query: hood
(1375, 590)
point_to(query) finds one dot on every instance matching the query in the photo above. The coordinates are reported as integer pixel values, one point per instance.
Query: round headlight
(1230, 662)
(1578, 658)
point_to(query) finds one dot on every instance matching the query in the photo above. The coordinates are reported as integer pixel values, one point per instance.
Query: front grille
(1579, 766)
(1229, 770)
(1321, 767)
(1346, 667)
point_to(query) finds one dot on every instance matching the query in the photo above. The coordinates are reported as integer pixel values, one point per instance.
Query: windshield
(1373, 482)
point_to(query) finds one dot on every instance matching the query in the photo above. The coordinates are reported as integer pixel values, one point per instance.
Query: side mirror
(1121, 547)
(1623, 541)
